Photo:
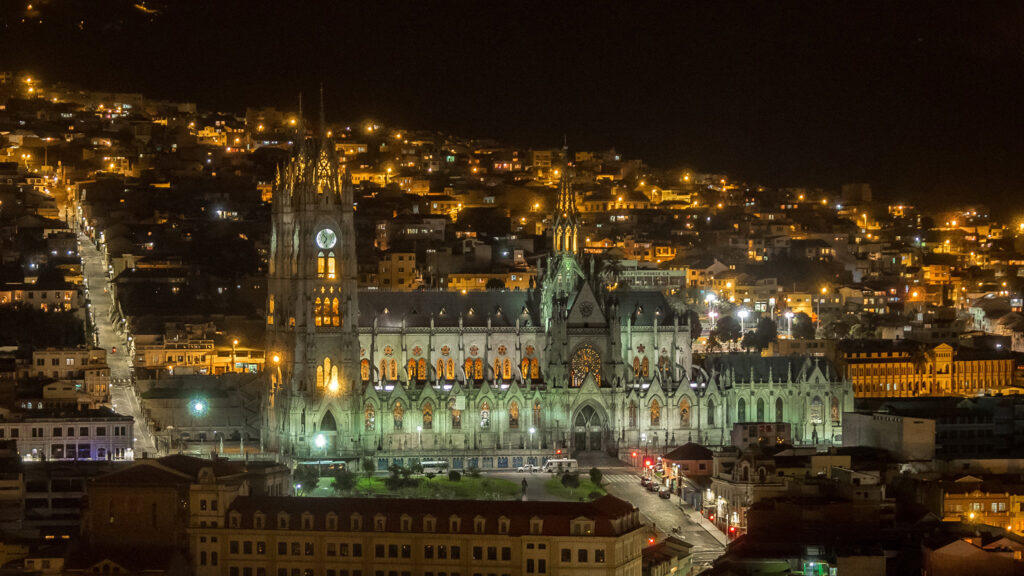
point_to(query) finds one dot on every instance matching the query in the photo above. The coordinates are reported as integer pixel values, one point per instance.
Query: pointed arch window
(534, 369)
(478, 369)
(393, 370)
(506, 369)
(524, 368)
(536, 414)
(330, 266)
(335, 314)
(364, 370)
(321, 265)
(760, 410)
(319, 377)
(632, 414)
(369, 418)
(711, 411)
(440, 369)
(428, 416)
(410, 368)
(455, 413)
(741, 410)
(270, 311)
(469, 369)
(399, 414)
(779, 411)
(497, 369)
(318, 311)
(655, 413)
(645, 368)
(684, 413)
(513, 415)
(636, 367)
(383, 370)
(450, 369)
(421, 369)
(485, 415)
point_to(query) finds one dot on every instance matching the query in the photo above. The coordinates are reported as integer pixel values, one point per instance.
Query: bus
(434, 466)
(560, 465)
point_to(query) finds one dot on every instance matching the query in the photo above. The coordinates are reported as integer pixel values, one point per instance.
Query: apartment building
(46, 434)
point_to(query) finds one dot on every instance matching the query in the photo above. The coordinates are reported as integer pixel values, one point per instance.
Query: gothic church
(497, 378)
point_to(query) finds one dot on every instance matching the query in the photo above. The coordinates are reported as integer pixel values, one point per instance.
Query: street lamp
(824, 291)
(789, 322)
(743, 313)
(643, 438)
(234, 344)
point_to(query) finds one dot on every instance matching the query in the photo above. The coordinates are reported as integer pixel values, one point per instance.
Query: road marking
(615, 478)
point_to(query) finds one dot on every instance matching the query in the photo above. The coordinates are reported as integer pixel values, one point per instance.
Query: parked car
(652, 487)
(645, 481)
(664, 493)
(529, 468)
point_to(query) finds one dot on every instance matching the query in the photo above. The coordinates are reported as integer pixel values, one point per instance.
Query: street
(122, 395)
(659, 514)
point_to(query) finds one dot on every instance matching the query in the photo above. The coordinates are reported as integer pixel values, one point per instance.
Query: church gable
(586, 310)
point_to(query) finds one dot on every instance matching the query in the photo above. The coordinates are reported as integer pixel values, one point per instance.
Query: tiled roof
(557, 516)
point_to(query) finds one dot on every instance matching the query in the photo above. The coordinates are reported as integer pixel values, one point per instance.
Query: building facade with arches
(569, 364)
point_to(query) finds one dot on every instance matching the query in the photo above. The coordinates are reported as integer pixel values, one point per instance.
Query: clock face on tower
(326, 238)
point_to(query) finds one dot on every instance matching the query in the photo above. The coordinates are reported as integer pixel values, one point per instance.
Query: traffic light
(634, 454)
(732, 529)
(648, 463)
(558, 452)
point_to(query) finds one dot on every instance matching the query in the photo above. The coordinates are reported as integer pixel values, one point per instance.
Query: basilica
(495, 378)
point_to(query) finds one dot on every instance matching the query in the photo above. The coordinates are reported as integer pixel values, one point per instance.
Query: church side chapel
(498, 378)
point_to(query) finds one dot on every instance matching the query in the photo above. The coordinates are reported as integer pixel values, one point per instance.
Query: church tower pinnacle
(312, 336)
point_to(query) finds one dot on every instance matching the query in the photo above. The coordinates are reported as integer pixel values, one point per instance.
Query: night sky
(921, 99)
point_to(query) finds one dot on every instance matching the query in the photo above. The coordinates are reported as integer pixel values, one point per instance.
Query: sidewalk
(699, 519)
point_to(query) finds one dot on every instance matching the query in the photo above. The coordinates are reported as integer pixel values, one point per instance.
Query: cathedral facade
(495, 378)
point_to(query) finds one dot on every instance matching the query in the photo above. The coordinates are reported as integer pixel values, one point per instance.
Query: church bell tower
(312, 340)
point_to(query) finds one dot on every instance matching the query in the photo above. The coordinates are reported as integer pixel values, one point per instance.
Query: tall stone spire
(567, 218)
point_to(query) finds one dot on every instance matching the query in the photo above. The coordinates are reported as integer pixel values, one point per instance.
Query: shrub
(594, 495)
(596, 476)
(454, 476)
(571, 480)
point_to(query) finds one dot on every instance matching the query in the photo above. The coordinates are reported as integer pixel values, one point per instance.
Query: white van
(560, 465)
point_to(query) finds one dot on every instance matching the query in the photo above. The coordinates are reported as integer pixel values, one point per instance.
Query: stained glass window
(364, 369)
(586, 361)
(536, 413)
(450, 369)
(835, 410)
(817, 410)
(410, 367)
(760, 410)
(741, 410)
(399, 414)
(534, 369)
(478, 369)
(440, 368)
(636, 367)
(428, 416)
(513, 415)
(655, 413)
(711, 412)
(779, 412)
(485, 415)
(469, 369)
(645, 368)
(684, 413)
(632, 414)
(524, 367)
(421, 372)
(369, 417)
(456, 414)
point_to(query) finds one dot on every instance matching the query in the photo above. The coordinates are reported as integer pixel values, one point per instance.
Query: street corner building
(493, 379)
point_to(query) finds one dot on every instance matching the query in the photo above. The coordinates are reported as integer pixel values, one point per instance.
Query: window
(581, 555)
(506, 553)
(309, 548)
(485, 415)
(296, 549)
(261, 548)
(428, 416)
(428, 551)
(378, 551)
(456, 552)
(399, 414)
(655, 413)
(370, 418)
(247, 547)
(599, 555)
(513, 415)
(566, 555)
(479, 525)
(392, 550)
(282, 548)
(478, 553)
(406, 551)
(492, 553)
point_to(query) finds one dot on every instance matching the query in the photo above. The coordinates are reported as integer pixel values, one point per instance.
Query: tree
(727, 329)
(749, 341)
(367, 466)
(596, 476)
(713, 345)
(803, 326)
(305, 478)
(454, 476)
(495, 284)
(344, 481)
(571, 480)
(764, 334)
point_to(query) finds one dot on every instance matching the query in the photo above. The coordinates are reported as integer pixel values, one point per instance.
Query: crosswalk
(615, 478)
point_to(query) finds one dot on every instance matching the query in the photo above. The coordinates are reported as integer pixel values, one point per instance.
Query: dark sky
(921, 99)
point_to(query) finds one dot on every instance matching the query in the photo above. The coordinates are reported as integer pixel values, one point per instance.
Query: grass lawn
(439, 487)
(555, 488)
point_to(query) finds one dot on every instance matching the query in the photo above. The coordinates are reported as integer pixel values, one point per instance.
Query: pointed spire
(323, 117)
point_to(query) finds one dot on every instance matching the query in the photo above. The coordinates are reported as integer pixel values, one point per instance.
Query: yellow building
(362, 536)
(397, 272)
(885, 371)
(515, 280)
(971, 500)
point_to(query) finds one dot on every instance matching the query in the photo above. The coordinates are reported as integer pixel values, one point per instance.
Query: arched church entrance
(588, 429)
